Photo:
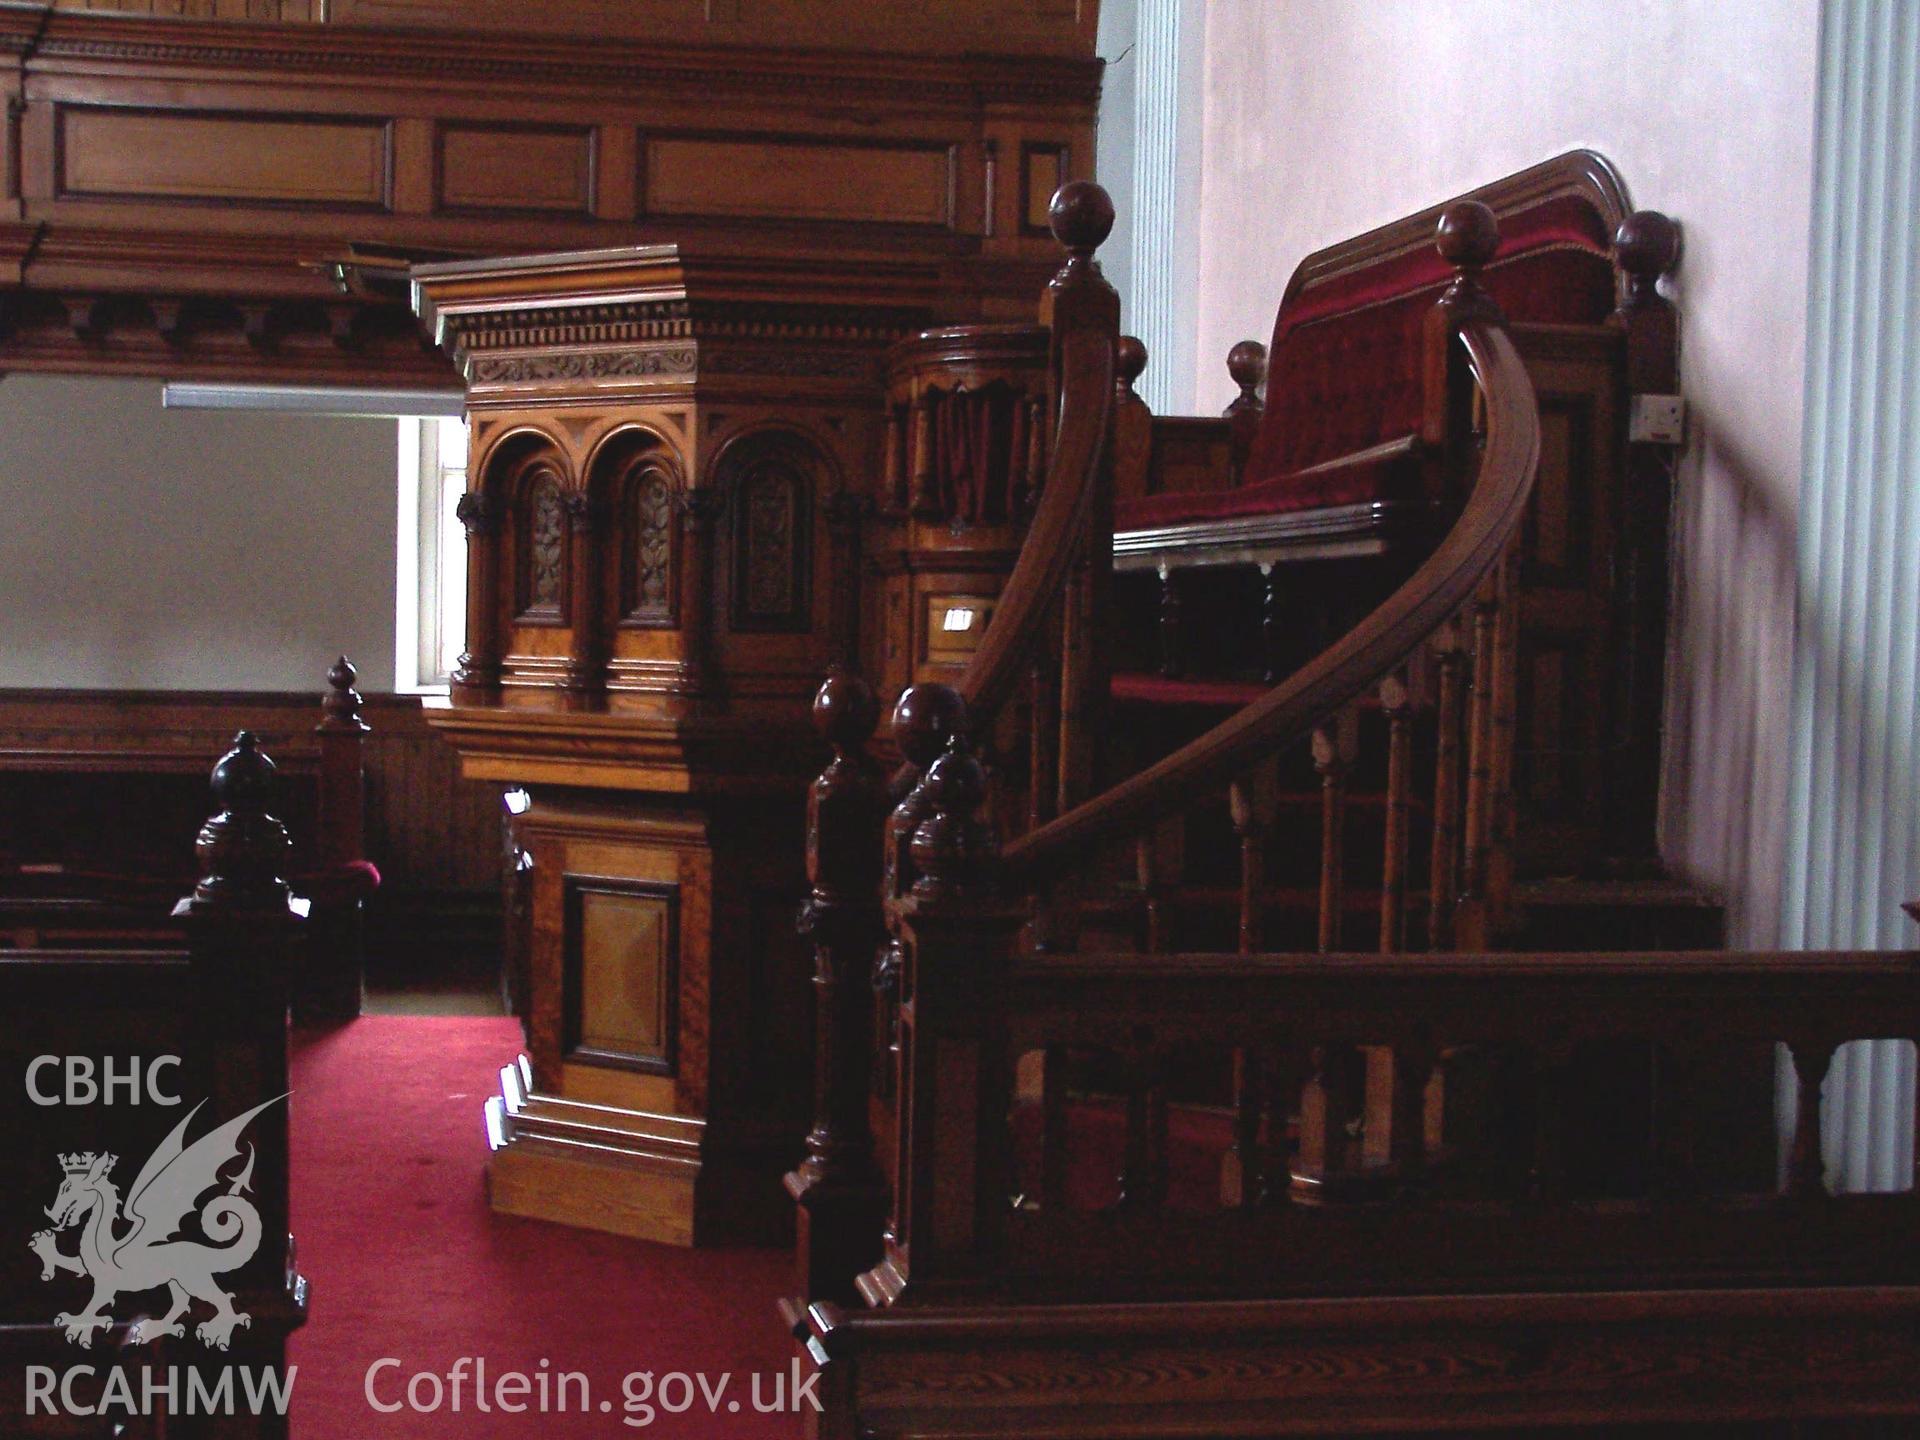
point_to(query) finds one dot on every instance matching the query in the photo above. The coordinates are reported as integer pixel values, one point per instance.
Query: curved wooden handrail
(1363, 657)
(1086, 327)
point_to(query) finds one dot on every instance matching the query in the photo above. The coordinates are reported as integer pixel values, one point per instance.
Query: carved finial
(846, 712)
(847, 804)
(1645, 247)
(340, 706)
(1468, 235)
(925, 718)
(1130, 359)
(953, 850)
(1247, 364)
(242, 849)
(1081, 217)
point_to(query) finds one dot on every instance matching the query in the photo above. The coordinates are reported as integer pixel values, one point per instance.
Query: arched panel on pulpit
(636, 482)
(772, 480)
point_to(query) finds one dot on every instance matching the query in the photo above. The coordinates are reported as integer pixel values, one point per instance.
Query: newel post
(1247, 364)
(239, 926)
(1646, 247)
(838, 1188)
(1467, 237)
(958, 930)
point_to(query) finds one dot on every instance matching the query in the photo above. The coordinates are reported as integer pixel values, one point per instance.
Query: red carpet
(407, 1262)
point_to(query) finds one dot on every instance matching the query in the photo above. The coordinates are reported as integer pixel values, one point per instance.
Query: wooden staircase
(1186, 1052)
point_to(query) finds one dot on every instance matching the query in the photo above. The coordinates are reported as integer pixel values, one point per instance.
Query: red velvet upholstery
(1343, 371)
(1383, 472)
(1344, 368)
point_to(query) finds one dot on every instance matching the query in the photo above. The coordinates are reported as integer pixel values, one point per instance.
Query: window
(432, 589)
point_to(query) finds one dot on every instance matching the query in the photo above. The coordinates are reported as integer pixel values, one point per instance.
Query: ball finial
(1468, 234)
(1081, 216)
(1647, 244)
(244, 778)
(1247, 364)
(845, 711)
(925, 719)
(1130, 359)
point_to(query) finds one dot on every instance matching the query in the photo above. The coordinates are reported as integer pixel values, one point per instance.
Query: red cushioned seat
(1386, 472)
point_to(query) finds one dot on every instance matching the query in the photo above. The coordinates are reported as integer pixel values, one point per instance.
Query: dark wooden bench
(98, 841)
(117, 1046)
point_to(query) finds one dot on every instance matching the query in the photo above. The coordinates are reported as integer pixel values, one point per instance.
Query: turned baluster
(1146, 869)
(1143, 1178)
(1396, 702)
(1043, 734)
(1247, 364)
(1243, 1176)
(1270, 628)
(1334, 747)
(1807, 1162)
(1471, 919)
(1173, 662)
(1501, 821)
(1253, 800)
(1444, 872)
(838, 1187)
(1329, 1101)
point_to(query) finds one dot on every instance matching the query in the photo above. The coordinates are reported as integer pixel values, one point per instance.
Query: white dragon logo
(148, 1255)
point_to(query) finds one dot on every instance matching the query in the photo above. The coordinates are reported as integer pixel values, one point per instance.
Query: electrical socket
(1657, 420)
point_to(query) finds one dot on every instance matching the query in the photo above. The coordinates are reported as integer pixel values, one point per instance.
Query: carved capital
(586, 514)
(700, 508)
(478, 513)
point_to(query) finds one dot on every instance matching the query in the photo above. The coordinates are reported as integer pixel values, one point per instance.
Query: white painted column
(1853, 835)
(1150, 132)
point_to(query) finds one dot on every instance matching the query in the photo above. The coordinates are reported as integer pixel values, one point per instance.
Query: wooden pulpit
(673, 456)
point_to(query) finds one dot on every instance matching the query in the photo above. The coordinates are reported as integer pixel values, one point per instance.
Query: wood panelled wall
(175, 194)
(430, 832)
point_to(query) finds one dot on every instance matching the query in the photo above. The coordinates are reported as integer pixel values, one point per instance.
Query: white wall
(143, 548)
(1326, 117)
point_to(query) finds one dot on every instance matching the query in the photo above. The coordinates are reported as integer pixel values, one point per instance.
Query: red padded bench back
(1344, 369)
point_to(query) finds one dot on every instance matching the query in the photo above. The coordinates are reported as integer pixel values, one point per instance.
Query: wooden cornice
(92, 43)
(640, 318)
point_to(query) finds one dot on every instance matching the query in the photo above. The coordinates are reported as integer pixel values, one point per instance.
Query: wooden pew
(82, 876)
(108, 1049)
